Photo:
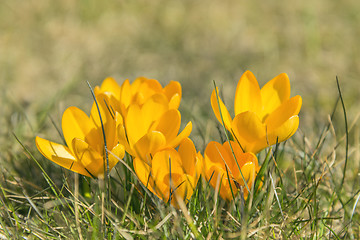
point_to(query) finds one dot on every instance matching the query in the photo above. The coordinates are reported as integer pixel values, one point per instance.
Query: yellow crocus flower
(85, 150)
(171, 172)
(151, 127)
(138, 92)
(262, 116)
(222, 170)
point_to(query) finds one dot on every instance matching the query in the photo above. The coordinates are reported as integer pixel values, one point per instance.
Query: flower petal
(119, 152)
(109, 85)
(285, 131)
(289, 108)
(224, 112)
(169, 124)
(92, 160)
(166, 162)
(184, 134)
(125, 94)
(247, 96)
(187, 154)
(249, 127)
(60, 155)
(140, 119)
(149, 144)
(173, 93)
(274, 93)
(215, 153)
(135, 126)
(76, 124)
(143, 171)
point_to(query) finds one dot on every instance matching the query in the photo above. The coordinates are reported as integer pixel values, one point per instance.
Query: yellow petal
(125, 94)
(154, 85)
(247, 96)
(166, 162)
(149, 144)
(184, 134)
(187, 154)
(110, 85)
(239, 154)
(76, 124)
(248, 171)
(285, 131)
(274, 93)
(249, 127)
(136, 128)
(105, 107)
(60, 155)
(173, 93)
(214, 152)
(282, 133)
(92, 160)
(108, 121)
(123, 140)
(154, 108)
(199, 165)
(142, 170)
(183, 187)
(169, 124)
(146, 89)
(219, 178)
(289, 108)
(224, 112)
(119, 152)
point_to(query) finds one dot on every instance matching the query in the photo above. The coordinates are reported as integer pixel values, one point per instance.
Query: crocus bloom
(138, 92)
(223, 170)
(151, 127)
(85, 152)
(263, 116)
(171, 172)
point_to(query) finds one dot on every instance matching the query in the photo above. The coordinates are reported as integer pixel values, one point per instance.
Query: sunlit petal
(92, 160)
(165, 162)
(249, 126)
(184, 134)
(215, 101)
(60, 155)
(288, 109)
(115, 154)
(173, 93)
(148, 144)
(274, 93)
(187, 154)
(169, 124)
(76, 124)
(247, 96)
(136, 127)
(110, 85)
(285, 131)
(143, 172)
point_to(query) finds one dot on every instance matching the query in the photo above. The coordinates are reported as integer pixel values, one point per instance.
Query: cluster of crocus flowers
(141, 118)
(227, 168)
(84, 136)
(171, 174)
(263, 117)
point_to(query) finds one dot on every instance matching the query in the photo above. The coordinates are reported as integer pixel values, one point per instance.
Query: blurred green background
(49, 49)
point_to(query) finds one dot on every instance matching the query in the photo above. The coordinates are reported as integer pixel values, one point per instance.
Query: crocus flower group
(142, 119)
(85, 152)
(263, 117)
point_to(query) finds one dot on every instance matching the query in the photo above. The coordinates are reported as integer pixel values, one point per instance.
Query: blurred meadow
(49, 49)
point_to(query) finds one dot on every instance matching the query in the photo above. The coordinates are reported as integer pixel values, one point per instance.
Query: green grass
(49, 51)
